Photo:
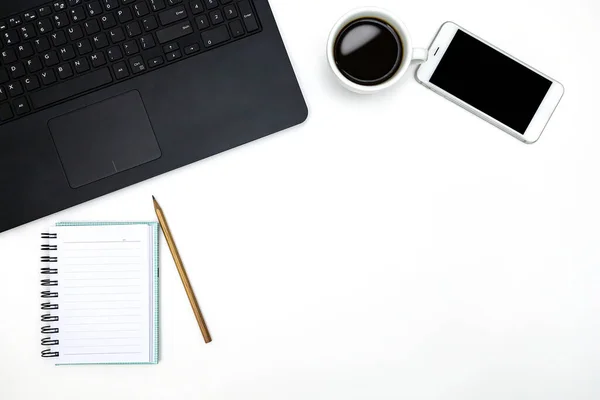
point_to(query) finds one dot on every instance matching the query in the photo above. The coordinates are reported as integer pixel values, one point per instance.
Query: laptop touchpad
(105, 138)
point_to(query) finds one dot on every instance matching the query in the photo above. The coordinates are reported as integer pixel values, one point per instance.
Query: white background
(392, 247)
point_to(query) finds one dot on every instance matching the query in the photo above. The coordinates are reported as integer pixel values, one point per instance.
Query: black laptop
(96, 95)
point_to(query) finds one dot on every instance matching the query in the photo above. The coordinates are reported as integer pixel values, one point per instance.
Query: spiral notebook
(100, 293)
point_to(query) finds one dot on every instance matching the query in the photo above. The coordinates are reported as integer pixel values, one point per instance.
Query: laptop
(97, 95)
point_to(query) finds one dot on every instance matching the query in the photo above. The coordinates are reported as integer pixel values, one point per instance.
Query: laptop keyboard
(66, 48)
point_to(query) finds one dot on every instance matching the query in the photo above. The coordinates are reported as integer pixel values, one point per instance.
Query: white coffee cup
(410, 54)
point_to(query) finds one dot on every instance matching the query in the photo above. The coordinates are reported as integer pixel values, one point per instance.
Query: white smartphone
(490, 83)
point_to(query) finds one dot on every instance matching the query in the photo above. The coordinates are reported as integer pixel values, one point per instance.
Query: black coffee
(368, 51)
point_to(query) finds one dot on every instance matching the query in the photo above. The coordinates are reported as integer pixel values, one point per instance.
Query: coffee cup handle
(420, 55)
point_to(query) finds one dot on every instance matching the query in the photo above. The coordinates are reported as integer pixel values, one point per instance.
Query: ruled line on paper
(103, 316)
(98, 286)
(93, 354)
(100, 301)
(104, 330)
(101, 279)
(101, 338)
(99, 256)
(104, 249)
(102, 308)
(102, 294)
(95, 264)
(107, 241)
(104, 323)
(102, 345)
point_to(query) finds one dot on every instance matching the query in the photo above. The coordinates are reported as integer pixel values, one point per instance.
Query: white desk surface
(392, 247)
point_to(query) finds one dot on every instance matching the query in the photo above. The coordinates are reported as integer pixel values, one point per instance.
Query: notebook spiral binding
(47, 282)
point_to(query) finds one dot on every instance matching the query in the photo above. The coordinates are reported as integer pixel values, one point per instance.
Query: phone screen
(491, 82)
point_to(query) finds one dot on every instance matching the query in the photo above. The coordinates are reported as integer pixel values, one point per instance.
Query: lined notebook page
(105, 294)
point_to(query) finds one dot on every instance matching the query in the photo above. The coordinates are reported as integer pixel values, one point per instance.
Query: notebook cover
(154, 226)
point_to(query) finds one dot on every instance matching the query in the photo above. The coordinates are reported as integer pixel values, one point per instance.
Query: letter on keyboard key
(81, 84)
(215, 36)
(174, 32)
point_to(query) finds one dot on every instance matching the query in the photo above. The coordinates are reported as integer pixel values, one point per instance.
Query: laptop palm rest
(104, 139)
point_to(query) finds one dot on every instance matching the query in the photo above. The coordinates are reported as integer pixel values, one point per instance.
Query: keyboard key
(91, 27)
(98, 59)
(173, 55)
(150, 23)
(25, 50)
(34, 64)
(3, 75)
(58, 38)
(147, 42)
(3, 26)
(100, 41)
(44, 26)
(75, 32)
(59, 5)
(41, 44)
(94, 8)
(64, 71)
(196, 6)
(5, 112)
(131, 47)
(17, 70)
(48, 77)
(192, 48)
(81, 65)
(77, 14)
(137, 64)
(174, 32)
(170, 47)
(29, 16)
(3, 95)
(230, 12)
(114, 53)
(67, 53)
(110, 4)
(27, 32)
(14, 89)
(21, 106)
(10, 38)
(216, 17)
(9, 56)
(157, 5)
(215, 36)
(15, 21)
(31, 83)
(202, 22)
(133, 29)
(83, 47)
(116, 35)
(141, 9)
(173, 2)
(210, 4)
(69, 88)
(124, 15)
(50, 58)
(60, 20)
(248, 16)
(44, 11)
(155, 62)
(172, 15)
(121, 70)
